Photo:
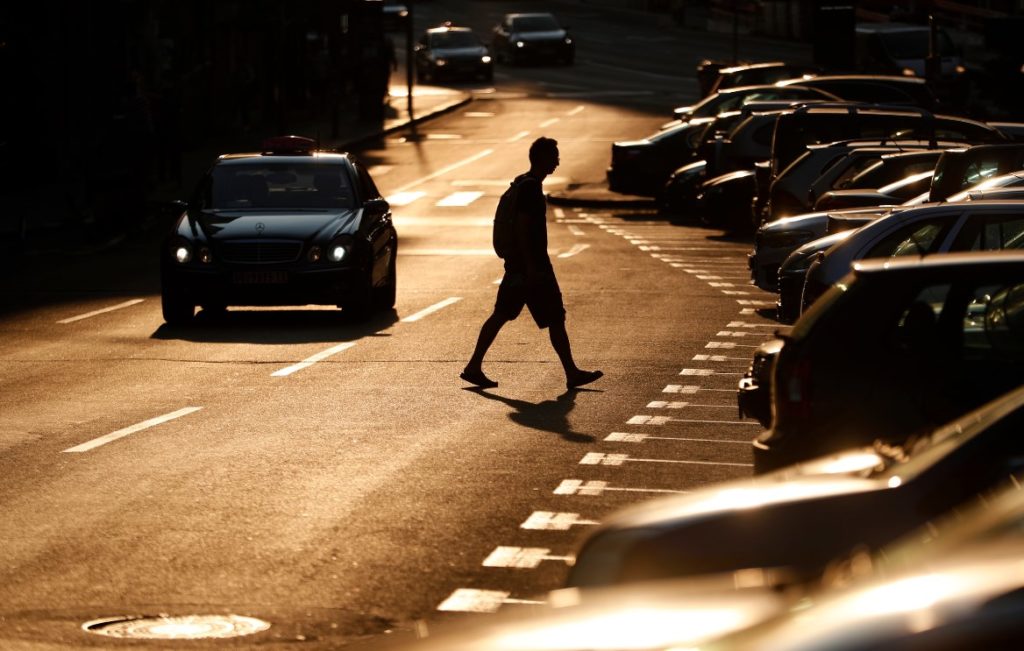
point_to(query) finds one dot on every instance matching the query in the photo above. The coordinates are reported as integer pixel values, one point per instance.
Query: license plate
(260, 277)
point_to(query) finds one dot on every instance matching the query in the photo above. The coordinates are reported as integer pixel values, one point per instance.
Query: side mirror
(376, 206)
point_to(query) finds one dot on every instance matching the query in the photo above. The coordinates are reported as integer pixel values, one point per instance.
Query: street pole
(409, 62)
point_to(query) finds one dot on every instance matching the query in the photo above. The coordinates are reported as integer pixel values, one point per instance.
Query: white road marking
(736, 333)
(727, 344)
(433, 308)
(445, 170)
(648, 420)
(576, 111)
(575, 250)
(121, 433)
(559, 213)
(667, 404)
(313, 359)
(134, 301)
(680, 388)
(718, 358)
(601, 459)
(551, 521)
(577, 231)
(622, 437)
(460, 199)
(471, 600)
(519, 136)
(547, 123)
(735, 293)
(380, 170)
(747, 301)
(478, 114)
(595, 487)
(744, 324)
(404, 198)
(523, 558)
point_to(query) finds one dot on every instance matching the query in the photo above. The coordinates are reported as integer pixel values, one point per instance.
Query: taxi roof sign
(288, 146)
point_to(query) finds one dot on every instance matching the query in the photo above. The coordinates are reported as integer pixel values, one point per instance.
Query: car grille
(260, 251)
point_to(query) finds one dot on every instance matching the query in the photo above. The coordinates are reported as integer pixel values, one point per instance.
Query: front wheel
(177, 308)
(386, 295)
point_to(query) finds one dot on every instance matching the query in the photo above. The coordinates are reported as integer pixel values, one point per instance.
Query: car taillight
(792, 389)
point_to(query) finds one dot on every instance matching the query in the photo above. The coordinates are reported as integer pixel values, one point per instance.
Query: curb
(433, 113)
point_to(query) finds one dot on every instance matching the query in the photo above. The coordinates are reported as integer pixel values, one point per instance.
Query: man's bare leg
(474, 372)
(574, 375)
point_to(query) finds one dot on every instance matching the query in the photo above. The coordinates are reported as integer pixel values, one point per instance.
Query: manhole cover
(188, 627)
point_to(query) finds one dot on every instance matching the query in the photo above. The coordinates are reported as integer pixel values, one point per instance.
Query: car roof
(961, 260)
(448, 28)
(852, 77)
(259, 158)
(889, 28)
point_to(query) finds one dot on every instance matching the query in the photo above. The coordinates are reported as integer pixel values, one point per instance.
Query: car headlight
(315, 253)
(485, 59)
(183, 253)
(568, 41)
(339, 250)
(909, 72)
(520, 44)
(441, 62)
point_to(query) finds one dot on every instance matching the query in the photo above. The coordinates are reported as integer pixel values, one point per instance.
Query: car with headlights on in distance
(288, 225)
(532, 37)
(448, 52)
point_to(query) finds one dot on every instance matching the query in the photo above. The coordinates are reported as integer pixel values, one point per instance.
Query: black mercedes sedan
(289, 225)
(449, 52)
(536, 37)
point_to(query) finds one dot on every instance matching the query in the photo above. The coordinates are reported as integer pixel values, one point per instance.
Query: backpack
(504, 235)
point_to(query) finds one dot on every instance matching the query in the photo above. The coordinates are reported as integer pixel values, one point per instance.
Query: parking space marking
(748, 301)
(727, 344)
(313, 359)
(594, 488)
(705, 372)
(471, 600)
(625, 437)
(719, 358)
(138, 427)
(523, 558)
(648, 420)
(551, 521)
(666, 404)
(575, 250)
(119, 306)
(602, 459)
(430, 310)
(559, 213)
(744, 324)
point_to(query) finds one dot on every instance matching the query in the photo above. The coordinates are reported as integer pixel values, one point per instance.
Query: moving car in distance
(532, 37)
(448, 52)
(289, 225)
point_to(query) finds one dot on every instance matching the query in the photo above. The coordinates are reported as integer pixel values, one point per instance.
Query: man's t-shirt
(530, 203)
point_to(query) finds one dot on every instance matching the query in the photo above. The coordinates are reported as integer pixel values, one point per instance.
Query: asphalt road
(339, 481)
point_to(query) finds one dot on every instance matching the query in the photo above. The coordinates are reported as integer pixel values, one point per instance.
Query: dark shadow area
(277, 327)
(637, 216)
(732, 237)
(769, 313)
(546, 416)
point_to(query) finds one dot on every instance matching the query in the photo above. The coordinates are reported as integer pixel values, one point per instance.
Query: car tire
(214, 310)
(384, 297)
(177, 308)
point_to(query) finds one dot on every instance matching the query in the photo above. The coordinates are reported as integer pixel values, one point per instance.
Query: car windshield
(454, 39)
(546, 23)
(279, 186)
(1005, 181)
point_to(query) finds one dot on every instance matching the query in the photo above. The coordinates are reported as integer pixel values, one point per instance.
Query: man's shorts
(543, 298)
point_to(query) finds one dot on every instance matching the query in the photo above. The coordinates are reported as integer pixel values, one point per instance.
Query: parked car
(972, 226)
(970, 600)
(753, 394)
(921, 339)
(765, 72)
(289, 225)
(893, 193)
(532, 37)
(449, 52)
(799, 519)
(640, 167)
(874, 89)
(792, 274)
(903, 49)
(733, 99)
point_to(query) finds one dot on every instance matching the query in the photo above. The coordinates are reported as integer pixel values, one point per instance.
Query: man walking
(529, 277)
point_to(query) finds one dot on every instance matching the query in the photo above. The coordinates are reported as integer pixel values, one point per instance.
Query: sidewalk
(29, 227)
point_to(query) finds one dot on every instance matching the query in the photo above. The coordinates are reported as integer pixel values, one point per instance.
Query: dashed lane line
(313, 359)
(119, 306)
(433, 308)
(138, 427)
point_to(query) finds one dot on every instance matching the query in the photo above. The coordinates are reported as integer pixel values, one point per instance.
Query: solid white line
(430, 310)
(445, 170)
(547, 123)
(519, 136)
(134, 301)
(121, 433)
(309, 361)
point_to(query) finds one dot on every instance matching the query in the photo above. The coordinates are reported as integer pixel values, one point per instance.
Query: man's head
(544, 155)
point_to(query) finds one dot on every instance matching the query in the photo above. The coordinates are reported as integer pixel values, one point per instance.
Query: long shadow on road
(546, 416)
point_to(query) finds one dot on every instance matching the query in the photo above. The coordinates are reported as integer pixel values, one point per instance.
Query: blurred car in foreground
(896, 347)
(286, 226)
(532, 37)
(800, 518)
(449, 52)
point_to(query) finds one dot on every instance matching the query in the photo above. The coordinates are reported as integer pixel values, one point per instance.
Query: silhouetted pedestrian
(529, 277)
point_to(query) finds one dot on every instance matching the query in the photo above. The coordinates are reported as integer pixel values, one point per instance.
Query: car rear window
(280, 186)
